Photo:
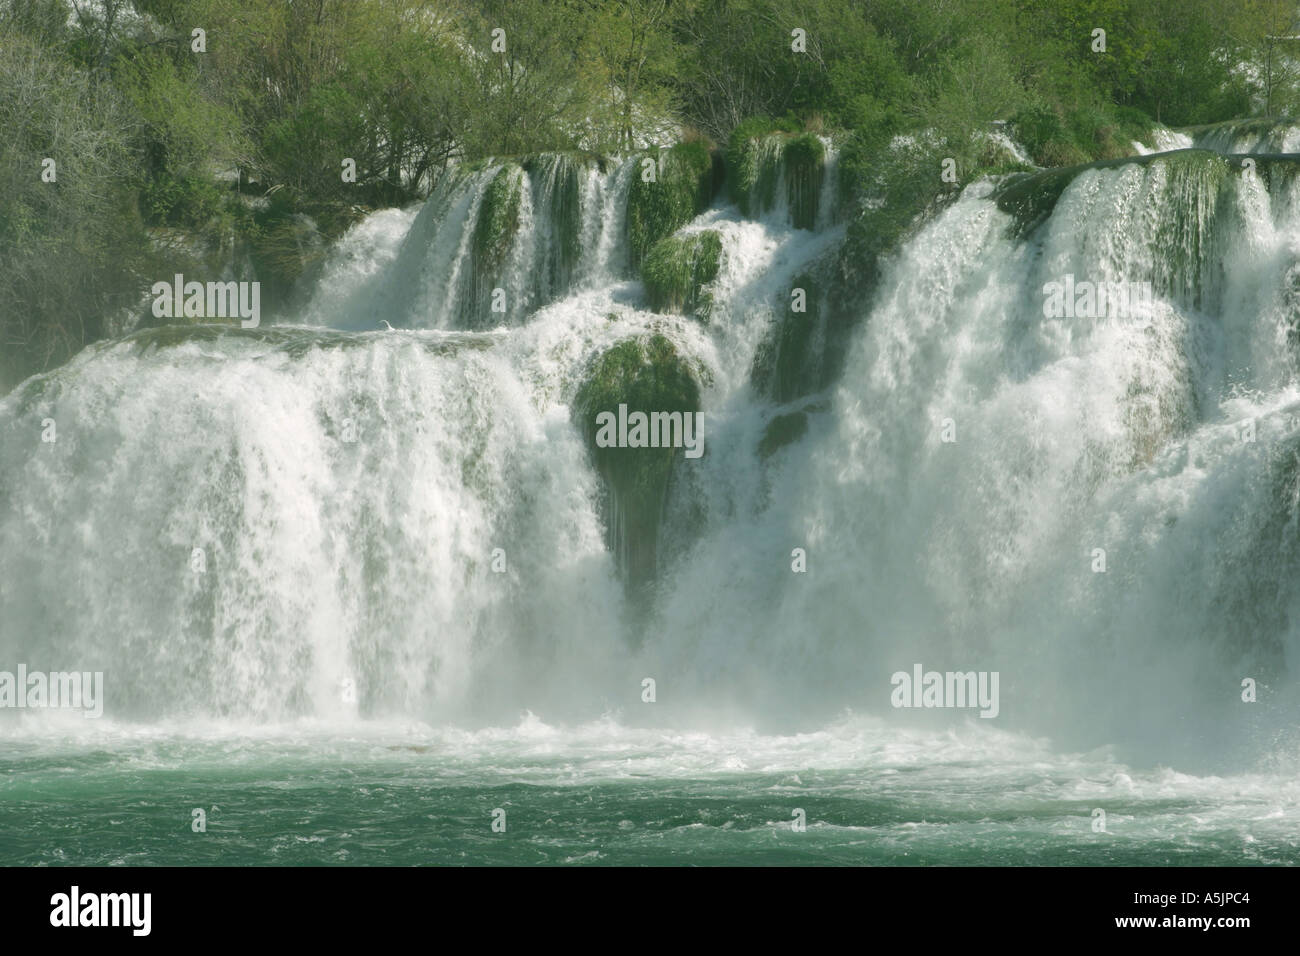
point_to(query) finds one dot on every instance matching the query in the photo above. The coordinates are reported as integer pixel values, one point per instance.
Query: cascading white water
(560, 227)
(1071, 435)
(348, 490)
(1250, 136)
(346, 500)
(1238, 136)
(1164, 140)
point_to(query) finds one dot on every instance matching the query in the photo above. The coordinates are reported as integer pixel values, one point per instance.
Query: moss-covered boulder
(1187, 194)
(782, 430)
(557, 199)
(785, 364)
(675, 187)
(676, 270)
(1031, 198)
(646, 375)
(753, 158)
(498, 219)
(495, 227)
(760, 155)
(805, 160)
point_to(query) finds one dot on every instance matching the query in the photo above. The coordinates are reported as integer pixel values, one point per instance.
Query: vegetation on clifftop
(248, 151)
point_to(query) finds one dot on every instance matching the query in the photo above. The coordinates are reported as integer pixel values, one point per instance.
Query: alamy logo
(948, 689)
(1068, 299)
(655, 430)
(58, 689)
(102, 909)
(210, 300)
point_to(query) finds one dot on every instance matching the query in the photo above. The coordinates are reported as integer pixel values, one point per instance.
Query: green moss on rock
(753, 163)
(1278, 170)
(805, 158)
(1031, 198)
(495, 226)
(557, 198)
(676, 270)
(498, 219)
(758, 153)
(782, 430)
(682, 188)
(1184, 221)
(785, 367)
(646, 375)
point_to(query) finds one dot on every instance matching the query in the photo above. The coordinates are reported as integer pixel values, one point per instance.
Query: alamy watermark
(75, 908)
(923, 688)
(653, 430)
(1068, 299)
(55, 690)
(208, 300)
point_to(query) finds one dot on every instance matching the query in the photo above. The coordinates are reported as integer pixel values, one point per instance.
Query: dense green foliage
(228, 152)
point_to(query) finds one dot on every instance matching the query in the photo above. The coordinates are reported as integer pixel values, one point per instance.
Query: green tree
(531, 95)
(633, 58)
(1270, 31)
(71, 242)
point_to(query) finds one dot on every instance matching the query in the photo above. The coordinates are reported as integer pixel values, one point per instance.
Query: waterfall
(1071, 434)
(1246, 136)
(244, 522)
(494, 242)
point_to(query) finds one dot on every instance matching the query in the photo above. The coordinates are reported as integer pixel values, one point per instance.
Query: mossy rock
(1031, 197)
(498, 219)
(782, 430)
(758, 151)
(753, 154)
(784, 365)
(805, 159)
(557, 199)
(676, 270)
(495, 226)
(1185, 226)
(646, 375)
(683, 187)
(1277, 170)
(787, 428)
